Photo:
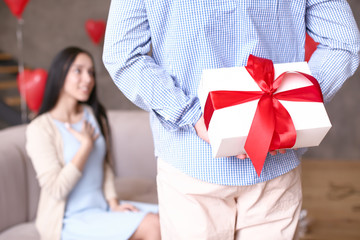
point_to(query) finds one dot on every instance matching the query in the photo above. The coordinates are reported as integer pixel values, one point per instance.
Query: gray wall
(51, 25)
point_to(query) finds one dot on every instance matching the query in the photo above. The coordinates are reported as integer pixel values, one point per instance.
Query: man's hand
(201, 130)
(273, 153)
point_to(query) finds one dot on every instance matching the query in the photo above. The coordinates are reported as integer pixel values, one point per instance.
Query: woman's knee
(149, 228)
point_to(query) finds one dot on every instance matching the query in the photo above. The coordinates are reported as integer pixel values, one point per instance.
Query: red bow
(272, 127)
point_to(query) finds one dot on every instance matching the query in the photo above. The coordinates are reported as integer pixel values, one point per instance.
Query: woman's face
(79, 81)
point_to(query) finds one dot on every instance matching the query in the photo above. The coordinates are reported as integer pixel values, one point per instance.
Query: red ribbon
(272, 127)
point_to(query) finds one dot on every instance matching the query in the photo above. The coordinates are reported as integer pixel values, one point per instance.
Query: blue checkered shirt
(188, 36)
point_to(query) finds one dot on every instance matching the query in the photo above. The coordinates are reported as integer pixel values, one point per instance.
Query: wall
(50, 25)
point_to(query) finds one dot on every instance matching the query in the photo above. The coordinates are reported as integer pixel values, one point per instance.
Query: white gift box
(229, 127)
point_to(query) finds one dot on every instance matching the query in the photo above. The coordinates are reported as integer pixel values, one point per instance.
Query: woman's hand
(86, 136)
(125, 207)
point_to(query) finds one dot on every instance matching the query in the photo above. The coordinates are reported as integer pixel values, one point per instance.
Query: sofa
(134, 162)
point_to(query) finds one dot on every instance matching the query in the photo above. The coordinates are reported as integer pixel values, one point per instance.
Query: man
(201, 197)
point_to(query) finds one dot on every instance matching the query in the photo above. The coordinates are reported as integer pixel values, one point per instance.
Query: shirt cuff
(187, 119)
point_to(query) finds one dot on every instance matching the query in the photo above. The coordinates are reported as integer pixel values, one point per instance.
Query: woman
(68, 143)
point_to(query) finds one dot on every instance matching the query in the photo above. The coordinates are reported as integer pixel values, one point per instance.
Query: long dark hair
(55, 81)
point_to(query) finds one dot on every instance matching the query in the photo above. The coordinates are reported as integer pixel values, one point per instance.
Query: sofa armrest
(13, 178)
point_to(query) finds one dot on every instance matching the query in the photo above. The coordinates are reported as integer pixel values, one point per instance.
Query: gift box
(262, 107)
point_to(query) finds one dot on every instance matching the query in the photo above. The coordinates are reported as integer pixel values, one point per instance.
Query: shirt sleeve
(332, 25)
(136, 74)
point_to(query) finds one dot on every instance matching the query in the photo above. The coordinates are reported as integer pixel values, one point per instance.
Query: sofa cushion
(133, 146)
(136, 189)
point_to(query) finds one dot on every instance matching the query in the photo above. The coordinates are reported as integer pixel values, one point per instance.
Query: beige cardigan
(44, 146)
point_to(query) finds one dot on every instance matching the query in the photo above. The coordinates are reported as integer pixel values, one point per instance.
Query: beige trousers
(191, 209)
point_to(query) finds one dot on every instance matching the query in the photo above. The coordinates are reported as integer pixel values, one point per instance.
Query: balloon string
(99, 51)
(19, 37)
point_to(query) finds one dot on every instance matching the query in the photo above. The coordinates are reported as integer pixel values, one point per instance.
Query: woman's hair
(55, 81)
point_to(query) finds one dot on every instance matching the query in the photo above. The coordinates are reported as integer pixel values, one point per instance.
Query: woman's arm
(44, 149)
(110, 192)
(109, 183)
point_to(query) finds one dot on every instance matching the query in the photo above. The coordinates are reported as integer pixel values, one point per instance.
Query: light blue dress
(87, 215)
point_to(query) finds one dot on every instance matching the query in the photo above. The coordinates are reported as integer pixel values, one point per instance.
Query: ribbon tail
(208, 112)
(261, 132)
(284, 132)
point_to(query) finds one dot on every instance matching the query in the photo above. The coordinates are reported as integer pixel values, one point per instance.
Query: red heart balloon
(32, 85)
(310, 47)
(95, 29)
(17, 7)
